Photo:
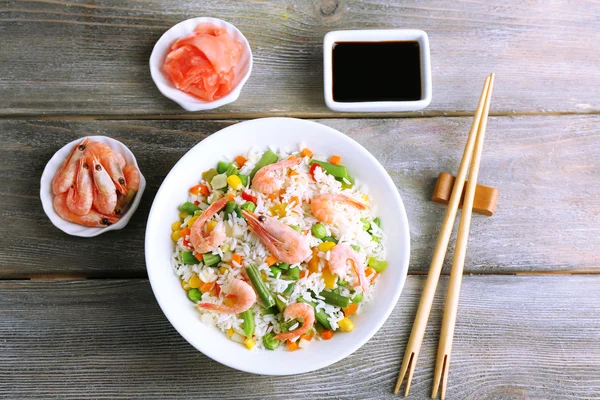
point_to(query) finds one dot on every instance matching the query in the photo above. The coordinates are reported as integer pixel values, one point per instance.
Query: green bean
(244, 179)
(318, 327)
(187, 257)
(294, 273)
(377, 265)
(358, 298)
(232, 170)
(355, 247)
(321, 316)
(283, 266)
(270, 342)
(296, 228)
(266, 311)
(229, 208)
(188, 207)
(211, 260)
(376, 239)
(262, 290)
(290, 289)
(249, 325)
(267, 158)
(194, 295)
(342, 283)
(276, 272)
(222, 166)
(280, 304)
(329, 239)
(377, 221)
(340, 172)
(318, 231)
(208, 175)
(335, 299)
(249, 206)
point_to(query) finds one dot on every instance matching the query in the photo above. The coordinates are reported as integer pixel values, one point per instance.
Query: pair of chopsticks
(472, 155)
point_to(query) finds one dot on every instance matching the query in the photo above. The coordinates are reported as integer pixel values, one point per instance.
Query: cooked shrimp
(283, 242)
(301, 311)
(202, 242)
(92, 218)
(65, 177)
(338, 263)
(105, 195)
(322, 206)
(81, 195)
(112, 161)
(132, 177)
(265, 180)
(244, 294)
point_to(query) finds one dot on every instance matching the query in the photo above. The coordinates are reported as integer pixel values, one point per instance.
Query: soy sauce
(376, 71)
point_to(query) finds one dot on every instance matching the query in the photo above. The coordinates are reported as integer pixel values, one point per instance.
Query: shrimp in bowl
(278, 249)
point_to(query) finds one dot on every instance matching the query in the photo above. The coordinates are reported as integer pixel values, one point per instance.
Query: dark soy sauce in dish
(376, 71)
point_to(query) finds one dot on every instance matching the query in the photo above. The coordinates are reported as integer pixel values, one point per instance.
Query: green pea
(319, 231)
(276, 272)
(194, 295)
(296, 228)
(358, 298)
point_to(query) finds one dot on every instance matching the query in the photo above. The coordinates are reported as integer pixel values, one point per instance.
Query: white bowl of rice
(215, 334)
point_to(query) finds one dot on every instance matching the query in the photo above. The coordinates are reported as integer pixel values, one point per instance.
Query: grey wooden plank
(77, 57)
(516, 337)
(546, 170)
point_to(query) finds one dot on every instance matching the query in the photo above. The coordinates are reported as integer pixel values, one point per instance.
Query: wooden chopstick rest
(485, 196)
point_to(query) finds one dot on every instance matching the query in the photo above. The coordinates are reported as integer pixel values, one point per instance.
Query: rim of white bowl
(177, 31)
(47, 197)
(213, 352)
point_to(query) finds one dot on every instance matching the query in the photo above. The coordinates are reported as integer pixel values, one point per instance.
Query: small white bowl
(47, 196)
(186, 28)
(377, 35)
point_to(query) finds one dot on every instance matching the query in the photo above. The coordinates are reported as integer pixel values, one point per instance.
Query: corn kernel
(176, 235)
(195, 282)
(328, 278)
(326, 246)
(223, 270)
(185, 285)
(225, 248)
(249, 343)
(278, 210)
(176, 226)
(264, 276)
(183, 214)
(230, 332)
(234, 182)
(210, 225)
(191, 221)
(346, 325)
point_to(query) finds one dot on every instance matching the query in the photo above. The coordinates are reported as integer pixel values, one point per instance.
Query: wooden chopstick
(418, 331)
(447, 333)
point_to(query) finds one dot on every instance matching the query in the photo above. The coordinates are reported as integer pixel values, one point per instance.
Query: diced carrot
(313, 263)
(308, 336)
(306, 153)
(335, 159)
(303, 273)
(271, 260)
(327, 334)
(273, 196)
(281, 193)
(295, 199)
(291, 172)
(230, 197)
(351, 309)
(237, 258)
(195, 190)
(292, 346)
(185, 232)
(206, 287)
(217, 289)
(241, 160)
(292, 157)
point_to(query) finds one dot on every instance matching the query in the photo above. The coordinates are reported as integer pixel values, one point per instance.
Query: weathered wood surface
(546, 169)
(516, 337)
(95, 54)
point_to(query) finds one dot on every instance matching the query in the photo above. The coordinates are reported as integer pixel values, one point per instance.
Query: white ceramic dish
(224, 145)
(377, 35)
(186, 28)
(47, 196)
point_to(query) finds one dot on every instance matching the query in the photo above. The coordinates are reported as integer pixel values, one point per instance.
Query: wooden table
(77, 316)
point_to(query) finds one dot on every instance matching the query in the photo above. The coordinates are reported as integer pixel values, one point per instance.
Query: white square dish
(377, 35)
